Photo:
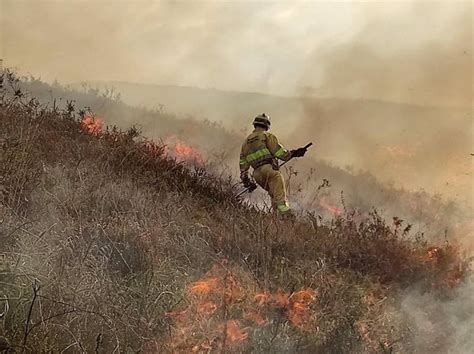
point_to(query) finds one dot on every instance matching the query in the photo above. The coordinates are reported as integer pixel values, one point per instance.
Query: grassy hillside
(428, 213)
(408, 144)
(220, 147)
(110, 244)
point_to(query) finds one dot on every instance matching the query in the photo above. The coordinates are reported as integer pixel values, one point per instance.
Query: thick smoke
(453, 318)
(420, 53)
(422, 56)
(227, 45)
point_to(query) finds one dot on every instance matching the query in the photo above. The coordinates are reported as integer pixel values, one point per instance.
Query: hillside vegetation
(109, 244)
(220, 148)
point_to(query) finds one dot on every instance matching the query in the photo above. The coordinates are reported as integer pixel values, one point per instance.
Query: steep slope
(110, 244)
(332, 124)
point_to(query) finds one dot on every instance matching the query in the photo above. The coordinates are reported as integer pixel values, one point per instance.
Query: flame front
(204, 287)
(299, 312)
(222, 313)
(182, 151)
(92, 124)
(296, 306)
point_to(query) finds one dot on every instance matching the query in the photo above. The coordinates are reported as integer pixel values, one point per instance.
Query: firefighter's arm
(244, 168)
(276, 149)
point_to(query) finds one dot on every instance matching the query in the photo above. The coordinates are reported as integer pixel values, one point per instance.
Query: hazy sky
(391, 50)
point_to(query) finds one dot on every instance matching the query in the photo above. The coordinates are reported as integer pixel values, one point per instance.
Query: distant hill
(234, 109)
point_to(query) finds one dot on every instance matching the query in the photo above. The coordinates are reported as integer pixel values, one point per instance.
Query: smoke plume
(410, 51)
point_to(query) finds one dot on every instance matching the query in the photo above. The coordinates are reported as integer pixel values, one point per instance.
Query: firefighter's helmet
(262, 120)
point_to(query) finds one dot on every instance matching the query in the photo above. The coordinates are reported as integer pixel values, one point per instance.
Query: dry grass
(110, 234)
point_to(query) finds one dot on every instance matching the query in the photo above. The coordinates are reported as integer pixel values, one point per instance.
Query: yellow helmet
(262, 120)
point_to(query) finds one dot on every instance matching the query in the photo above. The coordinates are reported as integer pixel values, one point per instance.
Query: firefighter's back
(254, 142)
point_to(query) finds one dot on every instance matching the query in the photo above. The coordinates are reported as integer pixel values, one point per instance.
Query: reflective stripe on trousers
(283, 208)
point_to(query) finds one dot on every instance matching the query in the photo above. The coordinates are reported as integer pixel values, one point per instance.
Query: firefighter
(261, 151)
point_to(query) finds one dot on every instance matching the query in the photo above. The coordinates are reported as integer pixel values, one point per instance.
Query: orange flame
(433, 253)
(331, 208)
(92, 124)
(204, 287)
(296, 305)
(207, 308)
(262, 298)
(281, 299)
(233, 290)
(299, 310)
(234, 332)
(304, 296)
(182, 151)
(219, 309)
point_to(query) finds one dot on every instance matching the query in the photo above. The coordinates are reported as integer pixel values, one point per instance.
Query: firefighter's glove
(298, 152)
(249, 184)
(251, 187)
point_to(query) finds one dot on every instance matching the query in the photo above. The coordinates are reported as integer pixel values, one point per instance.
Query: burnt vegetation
(109, 244)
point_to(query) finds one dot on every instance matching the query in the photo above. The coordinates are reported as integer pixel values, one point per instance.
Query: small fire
(262, 298)
(299, 312)
(281, 299)
(234, 331)
(92, 124)
(433, 253)
(221, 312)
(296, 305)
(182, 151)
(331, 208)
(204, 287)
(207, 308)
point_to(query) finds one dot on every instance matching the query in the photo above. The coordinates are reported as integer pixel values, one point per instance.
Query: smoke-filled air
(236, 176)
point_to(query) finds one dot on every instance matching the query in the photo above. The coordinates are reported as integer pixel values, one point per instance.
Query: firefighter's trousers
(272, 181)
